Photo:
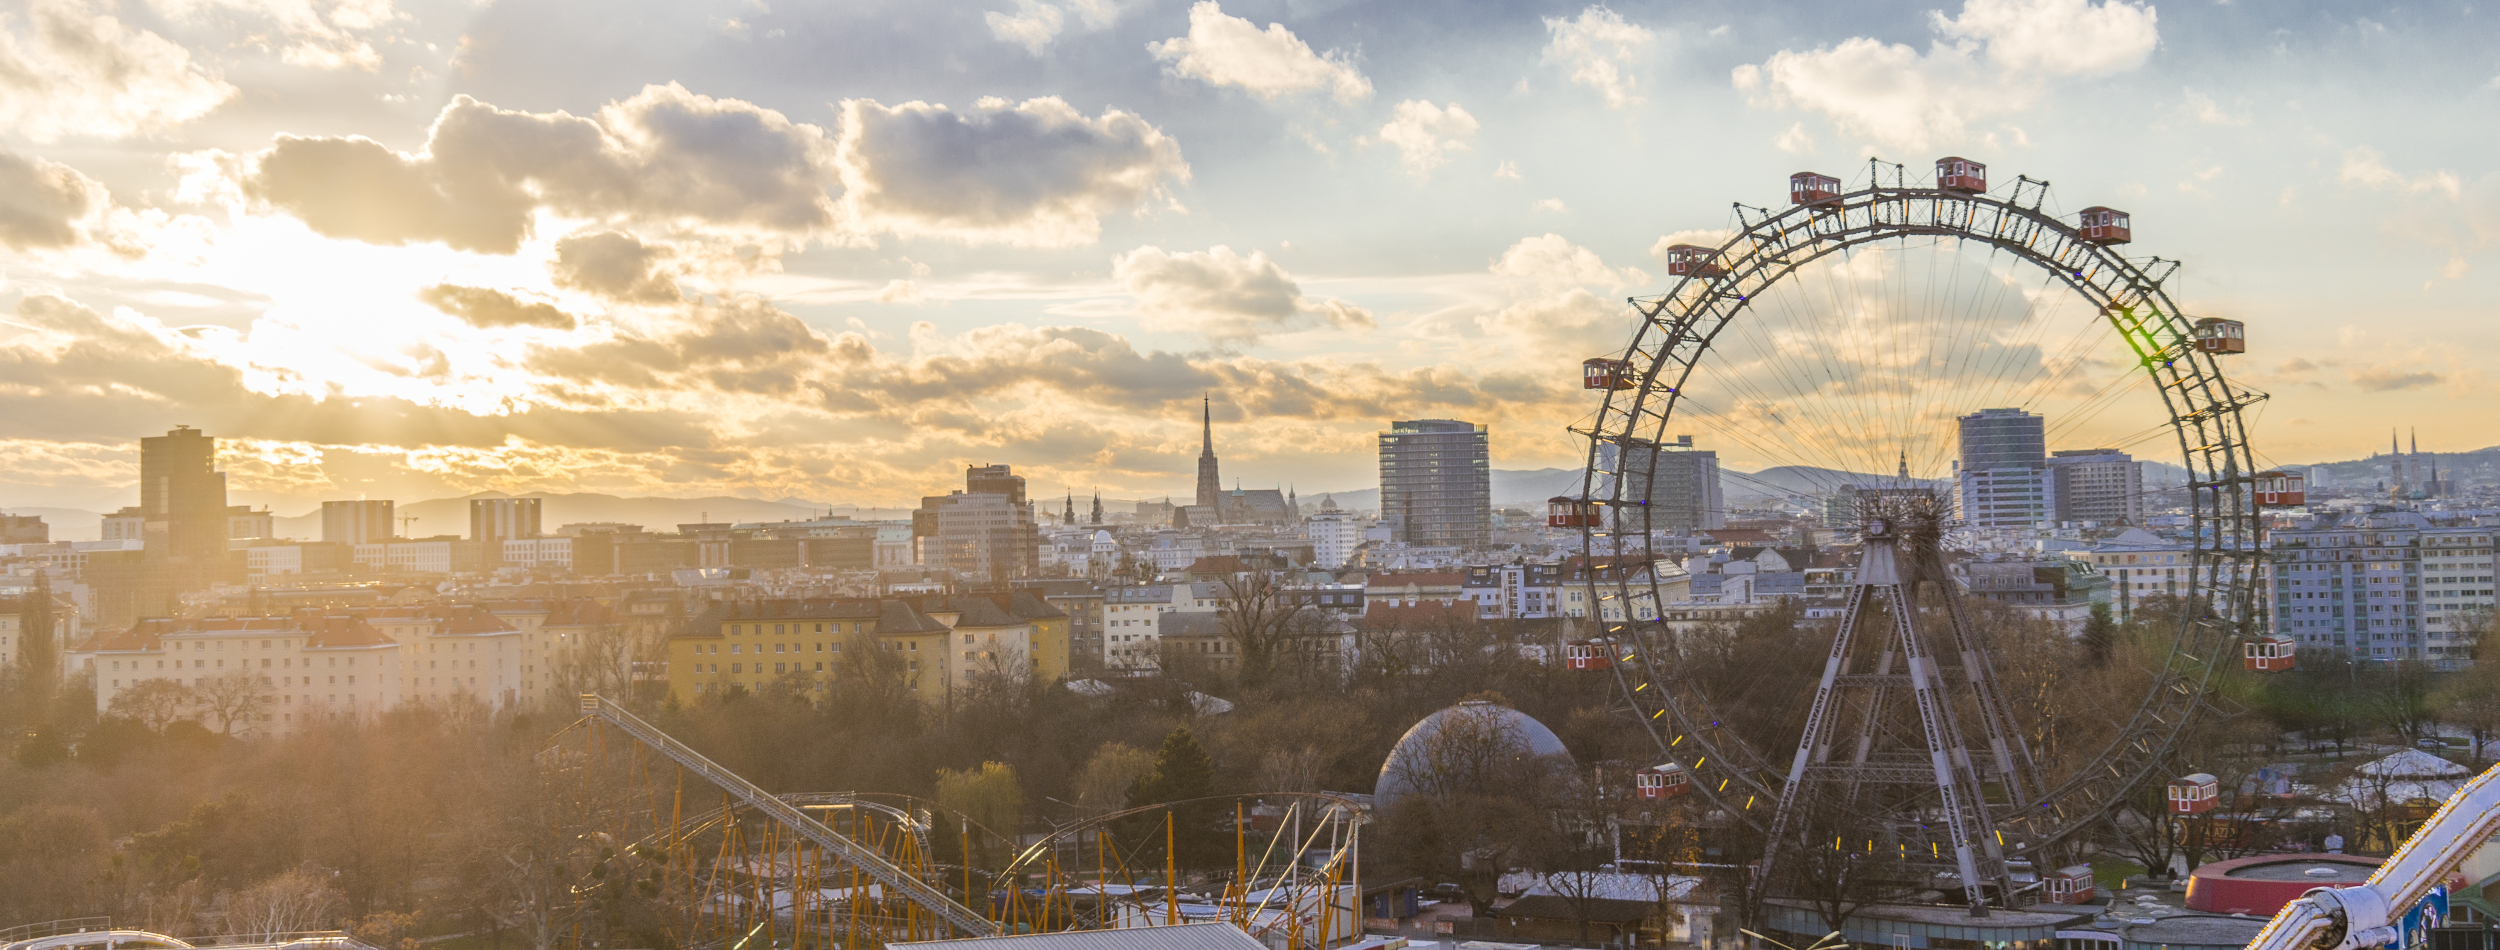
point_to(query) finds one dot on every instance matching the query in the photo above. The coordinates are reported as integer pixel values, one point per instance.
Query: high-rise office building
(497, 520)
(1436, 482)
(1683, 491)
(985, 532)
(2103, 485)
(357, 522)
(182, 496)
(2003, 477)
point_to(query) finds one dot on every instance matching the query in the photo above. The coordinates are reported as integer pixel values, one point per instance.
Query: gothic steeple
(1210, 483)
(1069, 517)
(1097, 506)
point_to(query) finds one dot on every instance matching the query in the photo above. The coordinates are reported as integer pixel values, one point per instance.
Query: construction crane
(2406, 896)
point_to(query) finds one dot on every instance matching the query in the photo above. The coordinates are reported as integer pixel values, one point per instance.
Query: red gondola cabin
(1603, 373)
(2106, 226)
(2280, 489)
(2195, 794)
(1564, 511)
(1961, 174)
(2221, 337)
(1687, 260)
(1662, 781)
(2067, 885)
(2269, 654)
(1807, 188)
(1598, 654)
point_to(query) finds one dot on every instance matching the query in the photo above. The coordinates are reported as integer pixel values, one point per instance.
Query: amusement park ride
(820, 871)
(1908, 737)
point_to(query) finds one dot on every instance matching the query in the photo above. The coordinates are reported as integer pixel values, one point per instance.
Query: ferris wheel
(1855, 341)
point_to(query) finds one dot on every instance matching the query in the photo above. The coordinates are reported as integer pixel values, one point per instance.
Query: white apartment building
(1132, 618)
(541, 553)
(314, 668)
(2141, 564)
(1334, 534)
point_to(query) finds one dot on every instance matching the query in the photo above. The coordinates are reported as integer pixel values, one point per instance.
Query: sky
(839, 251)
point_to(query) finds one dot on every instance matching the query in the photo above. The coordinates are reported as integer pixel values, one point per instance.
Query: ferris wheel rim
(2200, 399)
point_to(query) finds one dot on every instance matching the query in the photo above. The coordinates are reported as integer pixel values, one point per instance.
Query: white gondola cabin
(1692, 260)
(1564, 511)
(2106, 225)
(2194, 794)
(1808, 188)
(2272, 653)
(2280, 489)
(1598, 654)
(1954, 173)
(1602, 373)
(2067, 885)
(2221, 337)
(1662, 781)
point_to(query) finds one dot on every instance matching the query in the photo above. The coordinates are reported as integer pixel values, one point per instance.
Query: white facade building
(1334, 534)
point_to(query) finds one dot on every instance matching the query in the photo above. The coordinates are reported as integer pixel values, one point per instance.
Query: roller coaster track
(869, 862)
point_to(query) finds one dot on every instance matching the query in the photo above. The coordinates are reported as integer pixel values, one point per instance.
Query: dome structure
(1410, 762)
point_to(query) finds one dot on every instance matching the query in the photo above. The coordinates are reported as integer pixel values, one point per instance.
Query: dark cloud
(1229, 297)
(2377, 379)
(665, 156)
(615, 265)
(488, 309)
(1038, 173)
(742, 345)
(44, 204)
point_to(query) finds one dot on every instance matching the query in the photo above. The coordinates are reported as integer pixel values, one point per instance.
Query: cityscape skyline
(824, 326)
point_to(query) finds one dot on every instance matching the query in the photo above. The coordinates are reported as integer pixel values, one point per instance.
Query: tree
(234, 697)
(40, 652)
(1266, 620)
(992, 797)
(155, 703)
(1182, 772)
(2100, 634)
(2471, 700)
(292, 902)
(1114, 769)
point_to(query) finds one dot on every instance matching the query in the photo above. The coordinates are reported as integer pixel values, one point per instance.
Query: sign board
(2414, 928)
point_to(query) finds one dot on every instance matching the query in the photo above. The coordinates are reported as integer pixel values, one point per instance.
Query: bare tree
(292, 902)
(1266, 620)
(154, 703)
(234, 698)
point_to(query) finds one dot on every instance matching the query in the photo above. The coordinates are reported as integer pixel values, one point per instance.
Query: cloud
(1507, 169)
(742, 345)
(1554, 205)
(1230, 298)
(1035, 24)
(2056, 37)
(489, 309)
(1230, 51)
(2364, 167)
(67, 70)
(1595, 47)
(1897, 97)
(320, 35)
(1553, 314)
(665, 156)
(1705, 237)
(1037, 173)
(1551, 261)
(46, 204)
(1032, 26)
(615, 265)
(2207, 111)
(1425, 134)
(2374, 379)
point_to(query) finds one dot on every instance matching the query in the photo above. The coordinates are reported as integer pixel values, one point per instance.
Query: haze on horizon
(414, 249)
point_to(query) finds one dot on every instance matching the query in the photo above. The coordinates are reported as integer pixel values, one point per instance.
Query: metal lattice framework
(1675, 334)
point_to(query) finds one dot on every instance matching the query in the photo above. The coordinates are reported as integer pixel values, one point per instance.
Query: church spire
(1210, 479)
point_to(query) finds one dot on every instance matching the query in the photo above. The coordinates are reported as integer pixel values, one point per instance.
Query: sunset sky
(836, 251)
